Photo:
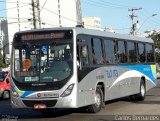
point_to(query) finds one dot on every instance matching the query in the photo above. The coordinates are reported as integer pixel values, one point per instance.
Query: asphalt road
(120, 109)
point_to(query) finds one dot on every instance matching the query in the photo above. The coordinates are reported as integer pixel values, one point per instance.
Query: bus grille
(48, 103)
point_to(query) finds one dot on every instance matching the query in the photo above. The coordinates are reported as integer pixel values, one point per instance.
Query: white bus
(77, 67)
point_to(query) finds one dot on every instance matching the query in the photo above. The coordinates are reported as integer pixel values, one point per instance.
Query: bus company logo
(38, 94)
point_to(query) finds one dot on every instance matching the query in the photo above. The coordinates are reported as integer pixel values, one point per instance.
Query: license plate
(39, 106)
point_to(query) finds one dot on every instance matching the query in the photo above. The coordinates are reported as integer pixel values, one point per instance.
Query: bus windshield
(43, 60)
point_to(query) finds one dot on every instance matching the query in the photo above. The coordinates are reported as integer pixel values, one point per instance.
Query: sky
(114, 13)
(2, 9)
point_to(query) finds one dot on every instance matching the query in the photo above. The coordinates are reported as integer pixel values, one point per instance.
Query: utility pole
(36, 14)
(59, 12)
(18, 16)
(79, 12)
(132, 16)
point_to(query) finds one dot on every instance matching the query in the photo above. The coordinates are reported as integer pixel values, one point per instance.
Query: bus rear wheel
(141, 95)
(94, 108)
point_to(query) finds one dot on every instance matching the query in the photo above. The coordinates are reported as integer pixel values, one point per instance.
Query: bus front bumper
(48, 102)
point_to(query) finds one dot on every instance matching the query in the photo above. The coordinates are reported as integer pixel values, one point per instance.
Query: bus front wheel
(94, 108)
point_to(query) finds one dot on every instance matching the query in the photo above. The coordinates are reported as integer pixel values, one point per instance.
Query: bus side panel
(144, 72)
(152, 80)
(119, 81)
(87, 86)
(115, 81)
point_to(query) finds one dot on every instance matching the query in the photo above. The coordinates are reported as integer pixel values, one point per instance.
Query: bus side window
(150, 53)
(141, 52)
(84, 55)
(122, 52)
(132, 54)
(97, 54)
(110, 51)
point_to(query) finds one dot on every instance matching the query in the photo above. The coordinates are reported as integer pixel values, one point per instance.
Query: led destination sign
(27, 37)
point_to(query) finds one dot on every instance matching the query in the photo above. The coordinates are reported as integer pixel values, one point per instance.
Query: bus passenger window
(150, 53)
(109, 50)
(132, 52)
(141, 52)
(96, 51)
(122, 54)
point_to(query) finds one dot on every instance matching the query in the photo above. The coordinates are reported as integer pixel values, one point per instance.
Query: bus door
(83, 68)
(82, 57)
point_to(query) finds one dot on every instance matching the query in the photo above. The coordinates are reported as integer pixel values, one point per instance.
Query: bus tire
(6, 95)
(141, 95)
(94, 108)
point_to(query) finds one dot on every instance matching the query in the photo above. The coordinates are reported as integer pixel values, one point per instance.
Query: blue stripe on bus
(145, 69)
(26, 93)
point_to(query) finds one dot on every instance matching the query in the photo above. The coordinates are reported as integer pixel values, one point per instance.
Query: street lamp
(146, 21)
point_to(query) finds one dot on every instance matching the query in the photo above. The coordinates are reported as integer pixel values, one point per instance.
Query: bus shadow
(124, 99)
(147, 102)
(58, 113)
(1, 99)
(30, 114)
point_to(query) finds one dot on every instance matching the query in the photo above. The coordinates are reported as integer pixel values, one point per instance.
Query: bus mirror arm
(79, 65)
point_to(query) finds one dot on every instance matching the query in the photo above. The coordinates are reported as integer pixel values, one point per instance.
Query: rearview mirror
(7, 80)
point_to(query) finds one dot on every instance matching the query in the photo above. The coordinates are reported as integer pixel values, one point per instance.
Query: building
(53, 13)
(92, 22)
(109, 30)
(65, 13)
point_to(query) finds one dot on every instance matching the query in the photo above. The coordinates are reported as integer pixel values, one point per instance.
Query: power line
(14, 2)
(58, 15)
(152, 21)
(113, 4)
(43, 5)
(12, 8)
(74, 20)
(122, 29)
(102, 5)
(49, 21)
(12, 17)
(155, 18)
(63, 16)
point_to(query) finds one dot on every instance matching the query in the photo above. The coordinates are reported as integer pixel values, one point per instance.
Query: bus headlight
(67, 91)
(14, 93)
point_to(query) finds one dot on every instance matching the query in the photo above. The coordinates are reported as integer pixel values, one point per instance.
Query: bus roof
(80, 30)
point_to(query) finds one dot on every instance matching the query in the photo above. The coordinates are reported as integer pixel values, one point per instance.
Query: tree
(156, 38)
(2, 64)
